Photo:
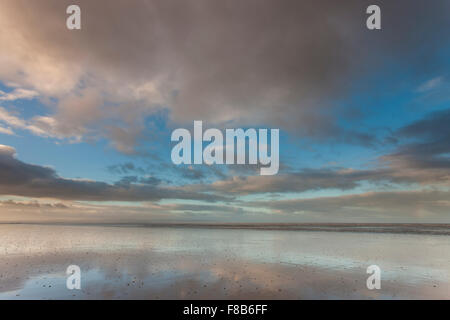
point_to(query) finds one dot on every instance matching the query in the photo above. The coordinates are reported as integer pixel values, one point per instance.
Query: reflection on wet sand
(178, 263)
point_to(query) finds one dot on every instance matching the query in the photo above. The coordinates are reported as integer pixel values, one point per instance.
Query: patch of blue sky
(70, 160)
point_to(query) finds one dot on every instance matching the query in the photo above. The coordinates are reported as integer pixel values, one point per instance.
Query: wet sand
(222, 263)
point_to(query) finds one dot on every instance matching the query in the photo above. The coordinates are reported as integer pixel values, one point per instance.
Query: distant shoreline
(398, 228)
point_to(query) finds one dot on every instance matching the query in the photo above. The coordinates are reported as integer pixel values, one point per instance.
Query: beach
(180, 262)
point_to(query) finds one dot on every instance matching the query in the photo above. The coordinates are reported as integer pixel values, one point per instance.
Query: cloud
(425, 157)
(127, 180)
(422, 156)
(7, 151)
(7, 131)
(32, 204)
(125, 168)
(26, 180)
(300, 181)
(206, 208)
(22, 179)
(18, 94)
(278, 63)
(34, 125)
(430, 84)
(378, 205)
(283, 64)
(43, 126)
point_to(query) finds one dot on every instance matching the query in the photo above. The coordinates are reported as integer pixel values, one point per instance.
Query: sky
(86, 115)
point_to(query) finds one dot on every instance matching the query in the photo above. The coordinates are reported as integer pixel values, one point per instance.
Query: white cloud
(40, 126)
(18, 94)
(7, 131)
(430, 84)
(7, 150)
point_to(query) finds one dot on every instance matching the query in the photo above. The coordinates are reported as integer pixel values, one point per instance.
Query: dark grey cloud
(23, 179)
(433, 126)
(149, 180)
(424, 153)
(191, 173)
